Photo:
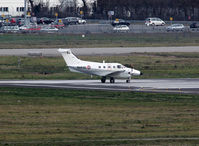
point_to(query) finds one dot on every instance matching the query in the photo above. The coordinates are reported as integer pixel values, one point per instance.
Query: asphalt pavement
(95, 51)
(108, 28)
(180, 86)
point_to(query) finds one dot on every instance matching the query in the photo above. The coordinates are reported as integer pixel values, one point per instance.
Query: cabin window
(99, 66)
(109, 66)
(5, 9)
(119, 66)
(104, 66)
(68, 52)
(113, 66)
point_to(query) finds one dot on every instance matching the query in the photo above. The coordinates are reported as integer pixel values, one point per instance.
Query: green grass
(60, 116)
(153, 65)
(97, 40)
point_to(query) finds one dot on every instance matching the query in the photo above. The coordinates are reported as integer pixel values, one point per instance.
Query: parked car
(120, 22)
(10, 28)
(121, 28)
(154, 22)
(70, 20)
(73, 20)
(30, 28)
(13, 21)
(58, 24)
(194, 25)
(176, 27)
(20, 21)
(49, 29)
(44, 20)
(81, 21)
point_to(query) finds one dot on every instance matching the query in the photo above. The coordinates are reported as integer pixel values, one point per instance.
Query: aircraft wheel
(128, 81)
(103, 79)
(112, 80)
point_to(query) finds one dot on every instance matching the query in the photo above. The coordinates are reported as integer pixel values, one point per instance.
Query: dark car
(194, 25)
(1, 24)
(20, 21)
(58, 24)
(44, 20)
(120, 22)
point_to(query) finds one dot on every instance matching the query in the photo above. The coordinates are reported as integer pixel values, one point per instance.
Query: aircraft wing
(115, 73)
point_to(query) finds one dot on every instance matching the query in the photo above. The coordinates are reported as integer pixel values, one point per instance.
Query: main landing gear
(112, 80)
(103, 80)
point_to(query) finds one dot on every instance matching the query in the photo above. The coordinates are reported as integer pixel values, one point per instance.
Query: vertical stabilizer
(70, 59)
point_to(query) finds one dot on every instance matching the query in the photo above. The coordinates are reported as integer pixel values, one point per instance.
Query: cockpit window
(119, 66)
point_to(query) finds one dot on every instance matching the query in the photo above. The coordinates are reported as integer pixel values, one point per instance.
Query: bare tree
(68, 3)
(85, 7)
(31, 4)
(68, 7)
(140, 9)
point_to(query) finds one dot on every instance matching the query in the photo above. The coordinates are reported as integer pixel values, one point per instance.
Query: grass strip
(153, 65)
(60, 116)
(17, 41)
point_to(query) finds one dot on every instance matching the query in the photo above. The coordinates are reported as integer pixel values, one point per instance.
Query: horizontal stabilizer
(63, 50)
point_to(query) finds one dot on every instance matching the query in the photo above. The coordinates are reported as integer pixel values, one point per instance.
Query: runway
(181, 86)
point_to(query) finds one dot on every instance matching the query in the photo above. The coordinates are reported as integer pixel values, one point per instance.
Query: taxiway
(96, 51)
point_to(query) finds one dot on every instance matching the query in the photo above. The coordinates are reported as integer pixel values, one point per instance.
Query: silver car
(176, 27)
(121, 28)
(154, 22)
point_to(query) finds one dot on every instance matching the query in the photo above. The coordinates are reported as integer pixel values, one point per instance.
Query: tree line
(126, 9)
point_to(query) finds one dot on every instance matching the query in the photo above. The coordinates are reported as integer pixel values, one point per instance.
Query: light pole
(25, 12)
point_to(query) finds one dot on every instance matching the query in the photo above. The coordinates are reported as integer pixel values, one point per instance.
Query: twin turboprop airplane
(104, 70)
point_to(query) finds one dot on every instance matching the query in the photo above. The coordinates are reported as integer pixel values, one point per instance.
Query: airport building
(16, 7)
(11, 7)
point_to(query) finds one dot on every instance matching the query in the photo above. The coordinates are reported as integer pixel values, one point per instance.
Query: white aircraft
(104, 70)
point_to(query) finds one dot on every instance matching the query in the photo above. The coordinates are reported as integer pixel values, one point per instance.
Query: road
(181, 86)
(108, 28)
(96, 51)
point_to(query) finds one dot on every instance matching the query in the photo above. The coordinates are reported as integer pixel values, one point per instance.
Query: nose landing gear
(128, 80)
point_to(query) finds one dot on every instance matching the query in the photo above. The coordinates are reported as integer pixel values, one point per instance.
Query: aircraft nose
(136, 72)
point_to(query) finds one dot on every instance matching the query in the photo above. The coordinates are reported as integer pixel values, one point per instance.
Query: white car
(121, 28)
(176, 27)
(10, 28)
(49, 29)
(81, 21)
(154, 22)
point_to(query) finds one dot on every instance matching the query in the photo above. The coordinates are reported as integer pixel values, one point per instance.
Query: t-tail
(70, 59)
